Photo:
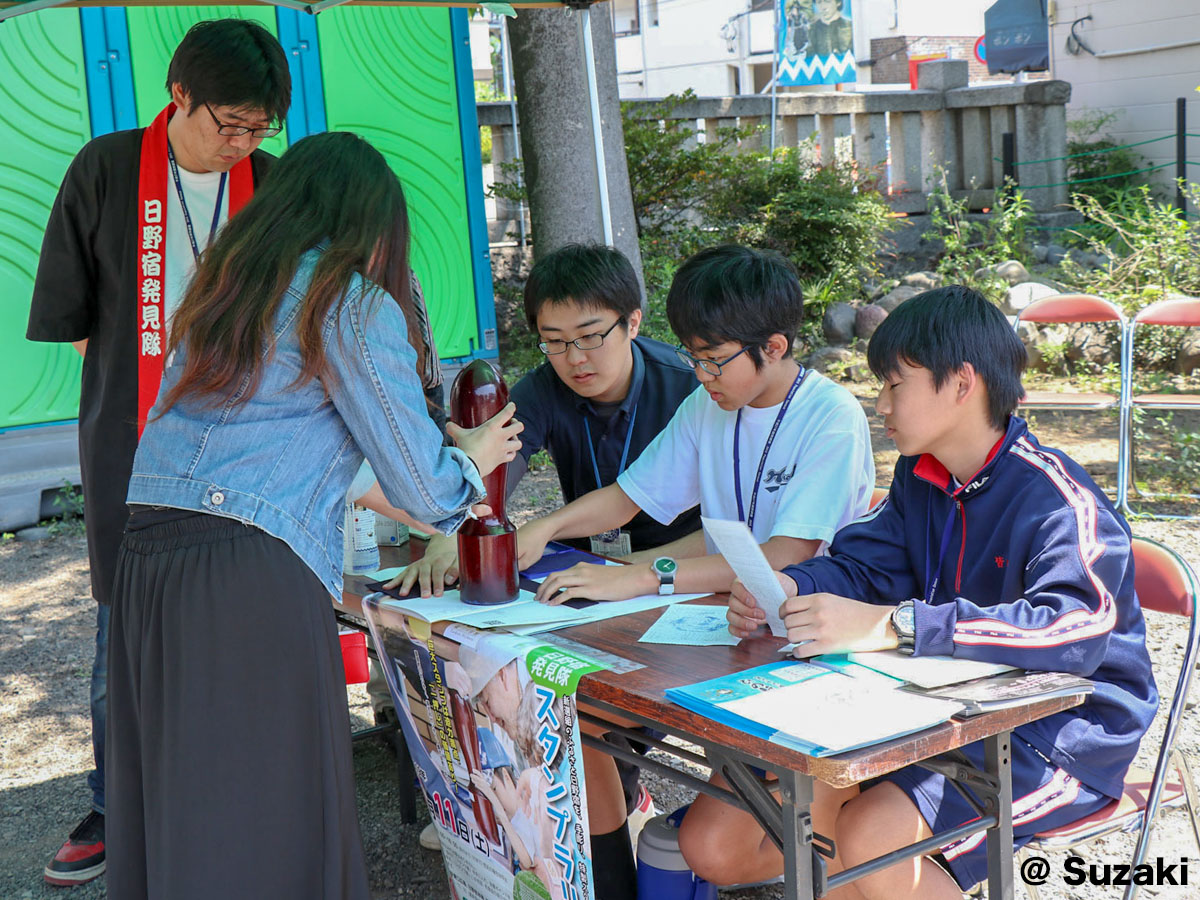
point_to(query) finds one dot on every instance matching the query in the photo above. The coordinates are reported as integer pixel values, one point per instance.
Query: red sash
(150, 266)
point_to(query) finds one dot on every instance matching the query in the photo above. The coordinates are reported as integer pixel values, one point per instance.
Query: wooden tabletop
(641, 692)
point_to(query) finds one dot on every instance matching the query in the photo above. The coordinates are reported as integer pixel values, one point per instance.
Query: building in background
(726, 47)
(1132, 60)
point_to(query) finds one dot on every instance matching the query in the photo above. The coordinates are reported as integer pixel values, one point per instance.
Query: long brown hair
(331, 189)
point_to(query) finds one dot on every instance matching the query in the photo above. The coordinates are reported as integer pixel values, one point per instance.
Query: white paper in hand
(735, 542)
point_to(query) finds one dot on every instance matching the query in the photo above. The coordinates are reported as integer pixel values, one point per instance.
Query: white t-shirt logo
(774, 479)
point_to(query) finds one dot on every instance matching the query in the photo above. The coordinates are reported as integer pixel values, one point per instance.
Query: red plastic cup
(354, 656)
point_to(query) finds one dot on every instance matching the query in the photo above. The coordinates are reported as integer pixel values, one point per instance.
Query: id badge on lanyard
(616, 542)
(612, 543)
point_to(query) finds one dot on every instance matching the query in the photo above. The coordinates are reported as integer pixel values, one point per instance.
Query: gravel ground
(47, 623)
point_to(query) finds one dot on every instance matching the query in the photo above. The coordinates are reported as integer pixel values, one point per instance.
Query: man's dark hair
(732, 293)
(591, 275)
(232, 62)
(946, 327)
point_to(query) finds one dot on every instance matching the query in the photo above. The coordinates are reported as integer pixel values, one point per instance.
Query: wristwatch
(904, 622)
(664, 568)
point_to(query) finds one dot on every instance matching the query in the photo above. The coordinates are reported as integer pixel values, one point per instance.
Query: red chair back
(1164, 583)
(1071, 308)
(1180, 311)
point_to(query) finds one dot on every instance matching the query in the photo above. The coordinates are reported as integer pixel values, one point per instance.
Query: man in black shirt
(600, 398)
(135, 210)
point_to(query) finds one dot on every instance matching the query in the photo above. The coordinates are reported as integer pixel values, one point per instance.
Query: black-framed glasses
(228, 130)
(585, 342)
(711, 366)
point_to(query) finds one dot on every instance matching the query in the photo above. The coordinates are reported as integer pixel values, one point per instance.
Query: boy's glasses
(711, 366)
(586, 342)
(227, 130)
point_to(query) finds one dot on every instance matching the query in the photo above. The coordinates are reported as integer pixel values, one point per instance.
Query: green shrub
(692, 191)
(1152, 248)
(671, 171)
(971, 243)
(1105, 167)
(827, 220)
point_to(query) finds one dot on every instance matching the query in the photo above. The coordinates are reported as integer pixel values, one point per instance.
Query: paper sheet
(610, 609)
(696, 626)
(449, 608)
(926, 671)
(735, 542)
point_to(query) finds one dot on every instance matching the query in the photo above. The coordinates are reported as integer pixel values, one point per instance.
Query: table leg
(998, 761)
(796, 794)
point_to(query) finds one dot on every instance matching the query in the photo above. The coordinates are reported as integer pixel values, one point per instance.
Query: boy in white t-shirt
(761, 439)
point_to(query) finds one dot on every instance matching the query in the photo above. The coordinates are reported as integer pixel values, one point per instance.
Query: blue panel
(108, 69)
(298, 35)
(468, 123)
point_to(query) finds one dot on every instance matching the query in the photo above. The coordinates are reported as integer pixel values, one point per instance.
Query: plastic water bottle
(662, 873)
(360, 550)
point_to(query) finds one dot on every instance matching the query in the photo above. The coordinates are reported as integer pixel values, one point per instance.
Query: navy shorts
(1044, 797)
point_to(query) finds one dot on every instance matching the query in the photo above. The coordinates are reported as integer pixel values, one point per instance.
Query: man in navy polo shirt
(600, 398)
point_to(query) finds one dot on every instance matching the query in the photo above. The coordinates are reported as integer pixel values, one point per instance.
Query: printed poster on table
(816, 42)
(490, 721)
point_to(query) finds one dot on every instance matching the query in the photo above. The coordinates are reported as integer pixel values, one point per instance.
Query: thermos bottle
(662, 873)
(487, 547)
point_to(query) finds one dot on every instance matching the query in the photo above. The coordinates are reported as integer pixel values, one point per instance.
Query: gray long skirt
(229, 762)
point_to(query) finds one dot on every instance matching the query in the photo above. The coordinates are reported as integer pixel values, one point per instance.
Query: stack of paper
(811, 708)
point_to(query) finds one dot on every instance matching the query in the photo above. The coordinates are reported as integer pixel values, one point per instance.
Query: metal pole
(775, 80)
(506, 66)
(1008, 153)
(589, 64)
(997, 755)
(1180, 152)
(642, 26)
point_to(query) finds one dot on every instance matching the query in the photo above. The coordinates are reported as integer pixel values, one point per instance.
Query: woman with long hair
(292, 356)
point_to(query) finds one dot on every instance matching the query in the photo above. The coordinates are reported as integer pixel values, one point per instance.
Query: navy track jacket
(1027, 564)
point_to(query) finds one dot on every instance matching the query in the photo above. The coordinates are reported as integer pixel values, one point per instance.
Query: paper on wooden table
(695, 626)
(927, 671)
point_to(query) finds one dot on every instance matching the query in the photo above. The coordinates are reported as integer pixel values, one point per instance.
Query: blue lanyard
(737, 457)
(187, 216)
(933, 576)
(624, 453)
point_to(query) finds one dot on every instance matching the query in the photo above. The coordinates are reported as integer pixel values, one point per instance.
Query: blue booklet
(811, 707)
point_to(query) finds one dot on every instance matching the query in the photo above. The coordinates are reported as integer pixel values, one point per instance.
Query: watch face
(904, 620)
(665, 565)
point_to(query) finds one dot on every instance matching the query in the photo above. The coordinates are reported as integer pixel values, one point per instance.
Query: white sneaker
(643, 812)
(429, 838)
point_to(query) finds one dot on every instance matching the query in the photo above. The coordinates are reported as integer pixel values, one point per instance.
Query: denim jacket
(282, 461)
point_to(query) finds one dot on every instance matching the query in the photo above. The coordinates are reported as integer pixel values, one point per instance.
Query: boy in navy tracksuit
(990, 547)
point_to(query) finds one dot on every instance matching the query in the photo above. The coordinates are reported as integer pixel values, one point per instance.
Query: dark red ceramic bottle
(487, 548)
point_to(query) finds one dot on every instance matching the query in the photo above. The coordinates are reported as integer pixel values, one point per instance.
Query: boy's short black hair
(733, 293)
(591, 275)
(946, 327)
(232, 62)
